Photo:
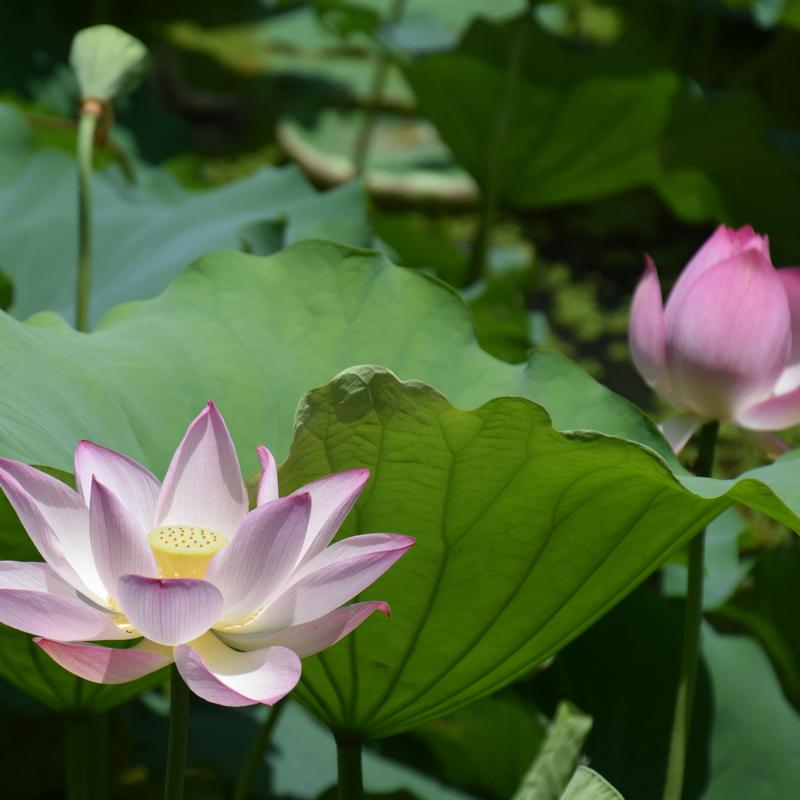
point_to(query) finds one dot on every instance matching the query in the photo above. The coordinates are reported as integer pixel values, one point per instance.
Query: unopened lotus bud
(108, 62)
(723, 348)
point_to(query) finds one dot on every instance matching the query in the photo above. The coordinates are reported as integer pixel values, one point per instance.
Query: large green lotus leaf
(576, 401)
(145, 235)
(15, 139)
(768, 607)
(755, 744)
(576, 126)
(524, 537)
(254, 333)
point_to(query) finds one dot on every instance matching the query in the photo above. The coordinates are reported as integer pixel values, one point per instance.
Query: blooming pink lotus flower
(234, 598)
(727, 345)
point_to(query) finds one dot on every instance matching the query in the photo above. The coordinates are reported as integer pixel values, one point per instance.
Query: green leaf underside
(255, 333)
(524, 537)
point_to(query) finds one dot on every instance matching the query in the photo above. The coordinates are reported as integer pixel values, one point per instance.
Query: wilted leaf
(588, 785)
(555, 762)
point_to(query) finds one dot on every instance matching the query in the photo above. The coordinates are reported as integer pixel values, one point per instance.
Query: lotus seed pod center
(183, 551)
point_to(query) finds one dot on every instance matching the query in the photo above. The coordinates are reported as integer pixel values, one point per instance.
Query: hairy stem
(178, 737)
(693, 618)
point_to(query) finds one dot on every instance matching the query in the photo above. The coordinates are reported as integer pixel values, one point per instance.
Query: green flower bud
(107, 61)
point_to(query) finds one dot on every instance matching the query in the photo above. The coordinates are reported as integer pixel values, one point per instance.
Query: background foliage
(586, 132)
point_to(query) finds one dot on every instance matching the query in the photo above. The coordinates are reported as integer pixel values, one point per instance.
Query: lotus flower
(727, 345)
(234, 597)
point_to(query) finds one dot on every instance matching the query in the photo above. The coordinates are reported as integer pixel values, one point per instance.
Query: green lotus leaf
(525, 536)
(578, 124)
(755, 738)
(255, 333)
(147, 233)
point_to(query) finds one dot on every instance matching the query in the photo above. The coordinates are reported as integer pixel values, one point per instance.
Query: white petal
(260, 558)
(107, 665)
(134, 486)
(57, 520)
(332, 578)
(310, 637)
(332, 497)
(268, 484)
(204, 485)
(34, 599)
(169, 611)
(119, 545)
(678, 430)
(215, 672)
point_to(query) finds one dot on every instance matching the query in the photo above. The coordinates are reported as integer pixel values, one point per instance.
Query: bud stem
(86, 133)
(692, 622)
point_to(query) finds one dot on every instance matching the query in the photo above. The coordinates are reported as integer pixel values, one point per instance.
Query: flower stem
(86, 132)
(77, 757)
(693, 618)
(178, 736)
(244, 784)
(348, 758)
(381, 73)
(98, 754)
(490, 188)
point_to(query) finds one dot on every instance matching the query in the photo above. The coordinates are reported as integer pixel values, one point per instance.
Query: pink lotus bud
(722, 348)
